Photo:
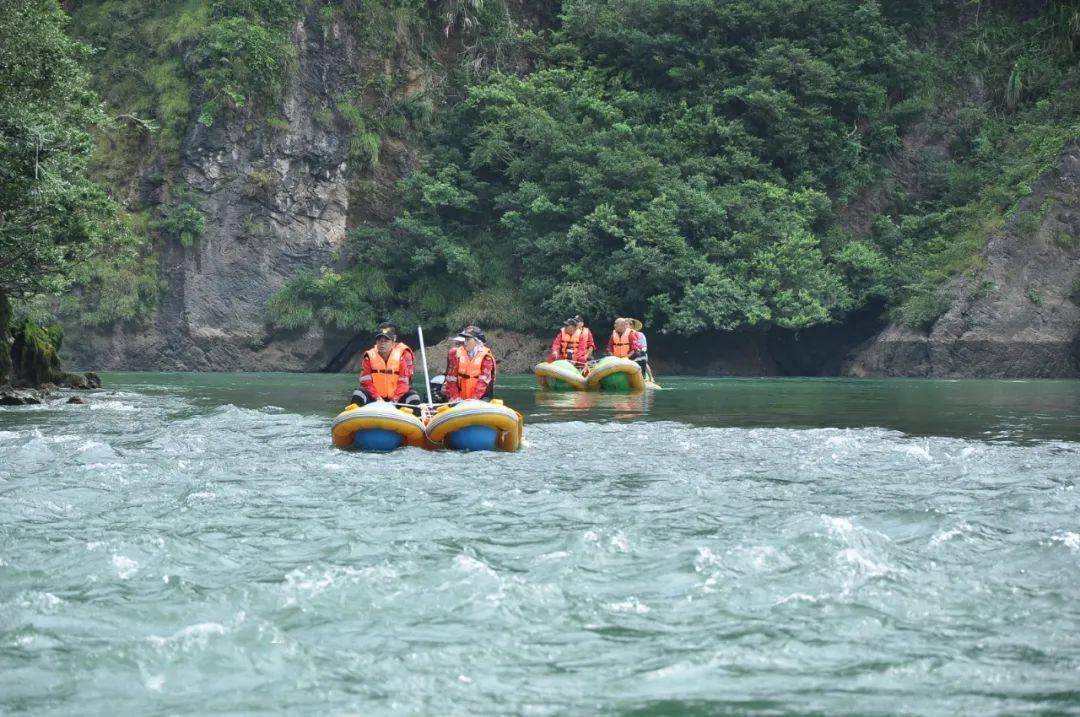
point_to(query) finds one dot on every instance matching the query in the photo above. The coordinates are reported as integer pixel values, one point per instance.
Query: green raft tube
(617, 375)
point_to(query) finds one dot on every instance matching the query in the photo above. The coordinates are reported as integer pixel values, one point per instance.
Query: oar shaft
(423, 358)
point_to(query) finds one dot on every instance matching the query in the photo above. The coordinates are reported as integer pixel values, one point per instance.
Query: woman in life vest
(472, 371)
(386, 371)
(439, 381)
(628, 342)
(573, 343)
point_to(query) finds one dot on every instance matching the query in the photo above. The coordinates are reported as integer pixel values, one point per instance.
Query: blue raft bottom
(377, 439)
(473, 438)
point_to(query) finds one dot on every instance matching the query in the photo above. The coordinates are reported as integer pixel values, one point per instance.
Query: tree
(51, 214)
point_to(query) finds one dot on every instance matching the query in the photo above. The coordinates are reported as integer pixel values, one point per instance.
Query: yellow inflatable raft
(476, 426)
(559, 376)
(377, 426)
(612, 373)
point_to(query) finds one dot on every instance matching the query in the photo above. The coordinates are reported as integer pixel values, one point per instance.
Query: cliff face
(1018, 317)
(276, 203)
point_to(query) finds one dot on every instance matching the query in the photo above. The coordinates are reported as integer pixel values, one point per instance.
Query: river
(190, 543)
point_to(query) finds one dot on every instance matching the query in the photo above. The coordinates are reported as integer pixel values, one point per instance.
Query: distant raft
(611, 373)
(476, 426)
(559, 376)
(378, 426)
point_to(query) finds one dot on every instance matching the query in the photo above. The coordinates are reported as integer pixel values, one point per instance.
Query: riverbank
(30, 362)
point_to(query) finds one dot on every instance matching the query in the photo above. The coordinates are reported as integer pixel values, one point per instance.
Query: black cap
(570, 322)
(472, 332)
(386, 332)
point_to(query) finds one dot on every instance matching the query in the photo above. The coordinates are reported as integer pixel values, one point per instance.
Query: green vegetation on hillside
(53, 218)
(1001, 100)
(705, 163)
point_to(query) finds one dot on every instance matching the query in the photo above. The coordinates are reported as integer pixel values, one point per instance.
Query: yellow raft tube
(476, 426)
(466, 426)
(611, 373)
(559, 376)
(378, 426)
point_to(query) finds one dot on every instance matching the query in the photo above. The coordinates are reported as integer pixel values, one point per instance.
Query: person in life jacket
(627, 341)
(472, 370)
(386, 371)
(439, 382)
(574, 343)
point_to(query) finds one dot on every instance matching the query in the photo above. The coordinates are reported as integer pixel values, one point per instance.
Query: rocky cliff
(277, 201)
(1019, 315)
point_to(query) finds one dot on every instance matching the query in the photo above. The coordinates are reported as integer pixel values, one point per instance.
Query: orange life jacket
(468, 371)
(620, 346)
(385, 374)
(571, 343)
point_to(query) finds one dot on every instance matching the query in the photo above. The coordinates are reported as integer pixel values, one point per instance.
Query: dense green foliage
(171, 61)
(51, 215)
(702, 163)
(665, 162)
(1000, 105)
(53, 218)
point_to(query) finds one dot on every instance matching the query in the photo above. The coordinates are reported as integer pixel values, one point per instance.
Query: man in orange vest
(574, 343)
(387, 370)
(472, 371)
(627, 342)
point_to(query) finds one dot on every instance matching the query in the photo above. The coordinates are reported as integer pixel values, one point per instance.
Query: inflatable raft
(608, 374)
(612, 373)
(476, 426)
(377, 427)
(465, 426)
(559, 376)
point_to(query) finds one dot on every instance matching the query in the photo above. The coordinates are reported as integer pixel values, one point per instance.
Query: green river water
(192, 544)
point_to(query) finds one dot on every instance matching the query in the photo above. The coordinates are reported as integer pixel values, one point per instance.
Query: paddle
(423, 358)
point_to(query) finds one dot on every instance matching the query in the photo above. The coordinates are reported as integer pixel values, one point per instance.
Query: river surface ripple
(183, 545)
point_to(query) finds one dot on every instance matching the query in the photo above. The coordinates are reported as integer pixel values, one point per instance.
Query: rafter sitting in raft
(471, 370)
(573, 343)
(627, 341)
(386, 371)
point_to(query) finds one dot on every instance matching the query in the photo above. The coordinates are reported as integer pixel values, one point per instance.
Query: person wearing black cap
(439, 381)
(387, 370)
(471, 372)
(574, 343)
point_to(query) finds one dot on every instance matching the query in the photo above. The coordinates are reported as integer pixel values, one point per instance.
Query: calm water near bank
(190, 543)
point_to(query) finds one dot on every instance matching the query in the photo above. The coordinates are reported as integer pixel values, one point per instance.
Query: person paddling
(471, 372)
(386, 371)
(573, 343)
(627, 341)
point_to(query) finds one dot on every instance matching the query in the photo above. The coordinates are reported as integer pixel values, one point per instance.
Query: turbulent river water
(192, 544)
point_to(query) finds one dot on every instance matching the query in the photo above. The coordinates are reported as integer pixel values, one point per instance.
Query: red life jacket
(620, 346)
(469, 370)
(570, 344)
(386, 374)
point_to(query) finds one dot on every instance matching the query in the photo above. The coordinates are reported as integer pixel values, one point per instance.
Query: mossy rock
(34, 354)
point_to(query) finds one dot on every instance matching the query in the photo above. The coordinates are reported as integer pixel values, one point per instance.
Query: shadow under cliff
(819, 351)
